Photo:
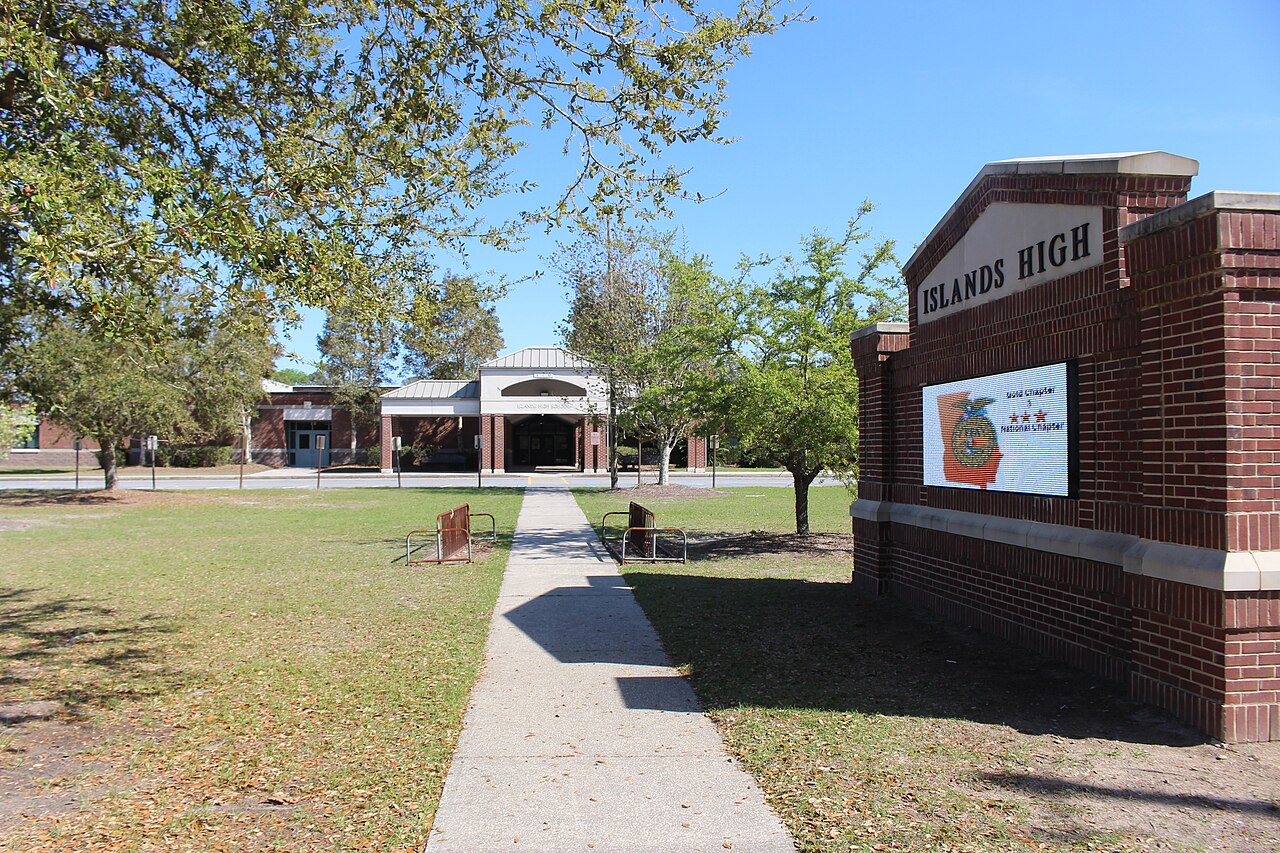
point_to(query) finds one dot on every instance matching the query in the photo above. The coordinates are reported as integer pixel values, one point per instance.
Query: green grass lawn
(868, 726)
(259, 670)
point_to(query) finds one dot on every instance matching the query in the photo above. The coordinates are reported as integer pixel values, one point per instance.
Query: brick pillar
(697, 445)
(499, 461)
(386, 436)
(486, 448)
(579, 446)
(873, 540)
(1208, 288)
(598, 444)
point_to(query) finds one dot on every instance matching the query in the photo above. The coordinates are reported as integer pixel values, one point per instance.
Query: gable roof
(540, 357)
(437, 389)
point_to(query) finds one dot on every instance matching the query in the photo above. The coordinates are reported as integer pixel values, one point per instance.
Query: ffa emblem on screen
(971, 453)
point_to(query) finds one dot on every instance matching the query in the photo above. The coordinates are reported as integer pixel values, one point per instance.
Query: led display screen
(1007, 432)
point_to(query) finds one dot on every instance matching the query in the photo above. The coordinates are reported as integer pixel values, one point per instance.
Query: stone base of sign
(1210, 656)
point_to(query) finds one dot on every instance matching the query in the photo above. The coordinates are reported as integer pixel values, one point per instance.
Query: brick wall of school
(55, 446)
(269, 432)
(1174, 336)
(596, 451)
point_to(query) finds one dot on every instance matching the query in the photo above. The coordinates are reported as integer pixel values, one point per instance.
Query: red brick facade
(54, 445)
(1174, 338)
(697, 453)
(269, 428)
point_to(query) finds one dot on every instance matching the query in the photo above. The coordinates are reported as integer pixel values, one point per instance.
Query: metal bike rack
(452, 533)
(642, 534)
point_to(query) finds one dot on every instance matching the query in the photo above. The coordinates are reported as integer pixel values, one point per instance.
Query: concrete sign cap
(1127, 163)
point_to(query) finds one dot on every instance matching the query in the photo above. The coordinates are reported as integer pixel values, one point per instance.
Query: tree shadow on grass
(66, 497)
(797, 644)
(1040, 785)
(77, 652)
(719, 546)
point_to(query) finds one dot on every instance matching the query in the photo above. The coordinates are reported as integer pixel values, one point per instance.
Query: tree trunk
(801, 479)
(802, 502)
(611, 428)
(664, 465)
(107, 456)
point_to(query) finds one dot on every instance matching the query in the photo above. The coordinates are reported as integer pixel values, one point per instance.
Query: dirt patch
(20, 524)
(46, 768)
(654, 491)
(1200, 796)
(1101, 771)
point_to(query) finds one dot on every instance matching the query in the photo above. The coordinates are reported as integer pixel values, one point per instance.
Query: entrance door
(542, 441)
(302, 444)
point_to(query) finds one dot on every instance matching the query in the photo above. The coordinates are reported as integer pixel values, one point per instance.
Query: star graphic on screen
(1040, 416)
(1026, 416)
(1013, 419)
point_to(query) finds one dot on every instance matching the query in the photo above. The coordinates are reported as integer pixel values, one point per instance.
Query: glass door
(303, 451)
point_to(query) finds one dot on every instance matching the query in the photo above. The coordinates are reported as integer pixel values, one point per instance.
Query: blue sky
(903, 103)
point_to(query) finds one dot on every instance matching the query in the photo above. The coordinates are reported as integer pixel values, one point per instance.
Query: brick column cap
(879, 339)
(1197, 207)
(880, 329)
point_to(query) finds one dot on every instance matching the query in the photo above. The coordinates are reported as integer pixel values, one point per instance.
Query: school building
(539, 407)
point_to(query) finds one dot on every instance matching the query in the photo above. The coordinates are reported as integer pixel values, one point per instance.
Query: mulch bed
(637, 493)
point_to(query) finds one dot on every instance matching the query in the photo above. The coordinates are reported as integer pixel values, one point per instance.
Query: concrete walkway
(580, 735)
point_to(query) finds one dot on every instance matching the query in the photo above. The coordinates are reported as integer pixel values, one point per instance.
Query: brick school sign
(1074, 443)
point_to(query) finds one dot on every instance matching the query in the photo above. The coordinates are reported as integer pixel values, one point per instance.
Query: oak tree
(192, 383)
(655, 318)
(276, 153)
(794, 390)
(451, 330)
(357, 358)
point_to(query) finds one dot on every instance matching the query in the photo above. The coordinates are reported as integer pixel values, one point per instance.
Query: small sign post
(319, 457)
(396, 444)
(480, 462)
(244, 443)
(152, 443)
(713, 443)
(639, 460)
(76, 444)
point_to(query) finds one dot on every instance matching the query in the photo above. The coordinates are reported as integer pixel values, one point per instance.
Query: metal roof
(540, 358)
(437, 389)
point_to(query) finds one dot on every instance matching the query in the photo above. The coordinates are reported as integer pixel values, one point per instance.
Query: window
(30, 439)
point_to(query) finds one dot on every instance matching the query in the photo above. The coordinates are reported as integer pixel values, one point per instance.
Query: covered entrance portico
(542, 441)
(540, 407)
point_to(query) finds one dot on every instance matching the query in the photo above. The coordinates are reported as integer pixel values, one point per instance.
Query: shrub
(193, 455)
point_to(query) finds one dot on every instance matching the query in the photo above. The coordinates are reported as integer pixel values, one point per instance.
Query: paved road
(294, 478)
(580, 735)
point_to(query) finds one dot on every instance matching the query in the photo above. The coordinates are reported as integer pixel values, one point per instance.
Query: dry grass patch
(242, 672)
